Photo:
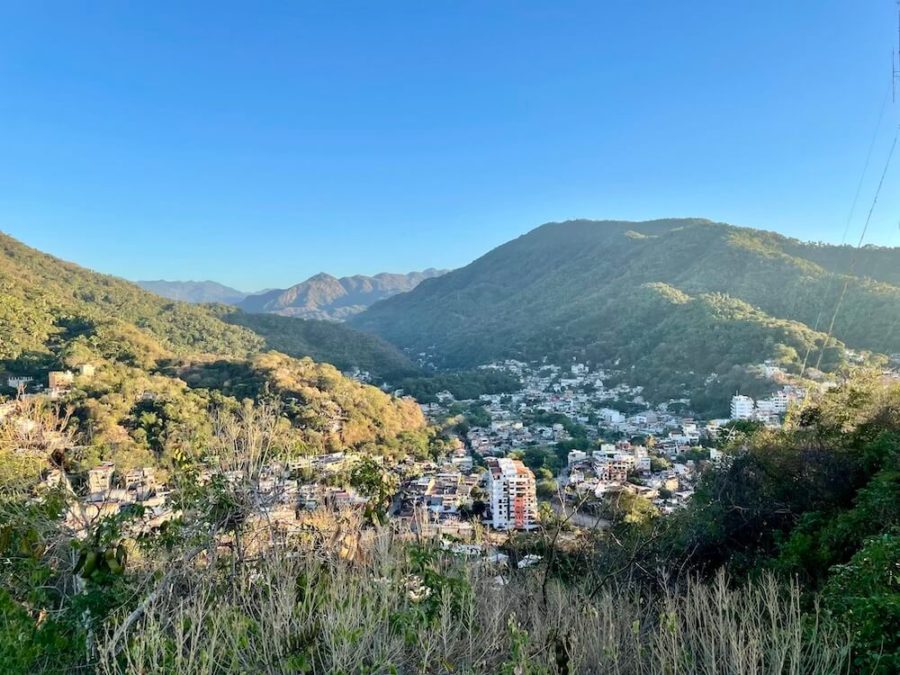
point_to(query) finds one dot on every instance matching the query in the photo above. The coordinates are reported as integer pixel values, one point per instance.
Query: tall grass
(396, 611)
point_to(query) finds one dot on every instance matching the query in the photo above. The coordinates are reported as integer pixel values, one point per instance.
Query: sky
(259, 143)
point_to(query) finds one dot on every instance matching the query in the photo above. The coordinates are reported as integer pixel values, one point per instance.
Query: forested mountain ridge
(194, 291)
(161, 366)
(678, 297)
(326, 297)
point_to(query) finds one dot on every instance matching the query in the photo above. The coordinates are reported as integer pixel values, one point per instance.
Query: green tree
(379, 485)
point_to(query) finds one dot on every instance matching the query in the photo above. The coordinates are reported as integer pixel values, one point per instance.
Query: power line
(859, 186)
(862, 237)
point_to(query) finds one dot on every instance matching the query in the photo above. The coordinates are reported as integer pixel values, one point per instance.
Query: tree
(546, 488)
(377, 484)
(629, 508)
(659, 464)
(544, 474)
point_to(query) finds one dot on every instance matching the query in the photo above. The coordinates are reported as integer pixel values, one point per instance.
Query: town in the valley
(564, 444)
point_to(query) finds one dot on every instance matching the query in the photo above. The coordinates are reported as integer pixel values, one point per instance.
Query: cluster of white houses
(533, 415)
(769, 410)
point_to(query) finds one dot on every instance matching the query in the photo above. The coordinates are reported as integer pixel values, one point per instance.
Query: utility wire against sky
(895, 78)
(859, 244)
(850, 215)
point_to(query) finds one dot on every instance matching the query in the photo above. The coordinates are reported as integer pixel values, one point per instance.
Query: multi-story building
(576, 456)
(742, 407)
(60, 379)
(513, 499)
(141, 482)
(100, 478)
(613, 468)
(780, 402)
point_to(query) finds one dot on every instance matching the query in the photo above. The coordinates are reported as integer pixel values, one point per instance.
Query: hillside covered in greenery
(161, 367)
(327, 341)
(676, 299)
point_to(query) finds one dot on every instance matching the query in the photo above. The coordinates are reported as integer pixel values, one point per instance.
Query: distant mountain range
(194, 291)
(326, 297)
(322, 296)
(675, 301)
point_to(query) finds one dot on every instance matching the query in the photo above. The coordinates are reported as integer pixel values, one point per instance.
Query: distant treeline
(464, 385)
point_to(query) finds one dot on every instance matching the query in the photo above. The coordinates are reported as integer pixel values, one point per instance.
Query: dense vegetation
(46, 304)
(329, 341)
(162, 366)
(676, 299)
(463, 385)
(818, 502)
(785, 560)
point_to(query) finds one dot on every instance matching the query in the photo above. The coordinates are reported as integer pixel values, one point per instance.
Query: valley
(622, 425)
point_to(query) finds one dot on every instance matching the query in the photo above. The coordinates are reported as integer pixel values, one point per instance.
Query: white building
(780, 401)
(100, 478)
(16, 381)
(610, 416)
(510, 486)
(741, 407)
(765, 408)
(576, 456)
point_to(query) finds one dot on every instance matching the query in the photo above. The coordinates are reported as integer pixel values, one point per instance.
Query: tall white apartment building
(741, 407)
(510, 485)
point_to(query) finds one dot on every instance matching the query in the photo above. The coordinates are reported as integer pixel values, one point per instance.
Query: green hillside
(325, 341)
(678, 299)
(162, 366)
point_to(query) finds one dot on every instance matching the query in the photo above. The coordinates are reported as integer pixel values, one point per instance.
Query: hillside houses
(57, 382)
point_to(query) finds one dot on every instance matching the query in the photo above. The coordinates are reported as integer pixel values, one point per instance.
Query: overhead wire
(859, 244)
(853, 205)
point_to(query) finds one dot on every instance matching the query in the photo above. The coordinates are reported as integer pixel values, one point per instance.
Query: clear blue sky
(257, 143)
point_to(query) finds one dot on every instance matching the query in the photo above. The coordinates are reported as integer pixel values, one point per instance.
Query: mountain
(671, 300)
(162, 366)
(194, 291)
(329, 341)
(326, 297)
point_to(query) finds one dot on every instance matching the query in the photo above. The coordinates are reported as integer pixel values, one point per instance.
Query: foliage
(464, 385)
(865, 592)
(162, 366)
(694, 298)
(327, 341)
(817, 501)
(337, 597)
(379, 485)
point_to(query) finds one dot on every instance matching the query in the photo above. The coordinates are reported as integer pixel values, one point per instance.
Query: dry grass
(296, 610)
